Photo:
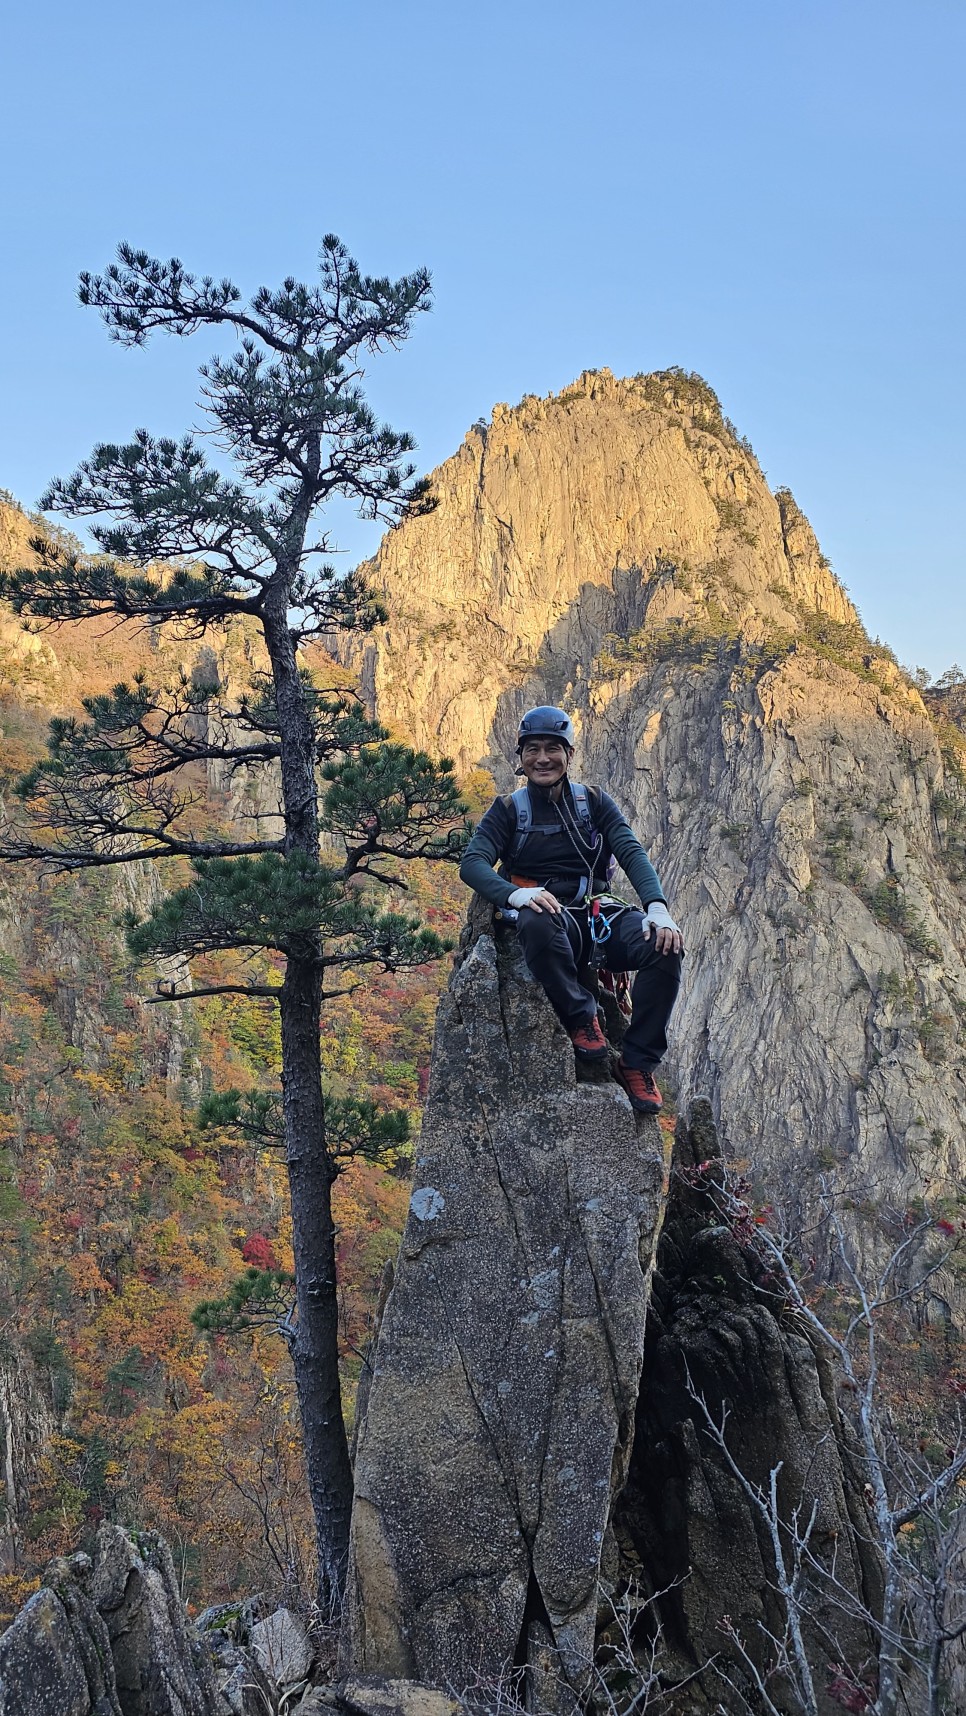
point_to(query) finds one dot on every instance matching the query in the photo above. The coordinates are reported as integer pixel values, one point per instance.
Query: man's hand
(667, 936)
(538, 900)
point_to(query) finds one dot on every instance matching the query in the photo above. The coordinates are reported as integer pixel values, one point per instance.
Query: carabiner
(599, 928)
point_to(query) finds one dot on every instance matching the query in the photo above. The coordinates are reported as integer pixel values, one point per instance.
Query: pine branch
(167, 992)
(139, 295)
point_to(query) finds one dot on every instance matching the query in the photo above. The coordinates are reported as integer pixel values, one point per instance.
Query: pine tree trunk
(315, 1352)
(316, 1347)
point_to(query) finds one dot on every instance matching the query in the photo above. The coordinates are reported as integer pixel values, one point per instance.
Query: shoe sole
(590, 1054)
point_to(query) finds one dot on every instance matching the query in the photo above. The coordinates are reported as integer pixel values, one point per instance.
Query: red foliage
(848, 1692)
(259, 1252)
(127, 1216)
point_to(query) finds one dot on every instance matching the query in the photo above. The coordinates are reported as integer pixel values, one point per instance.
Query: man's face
(544, 761)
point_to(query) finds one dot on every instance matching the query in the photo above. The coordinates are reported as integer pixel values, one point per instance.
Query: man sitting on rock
(555, 842)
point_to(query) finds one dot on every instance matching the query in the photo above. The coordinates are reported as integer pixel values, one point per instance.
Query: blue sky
(770, 192)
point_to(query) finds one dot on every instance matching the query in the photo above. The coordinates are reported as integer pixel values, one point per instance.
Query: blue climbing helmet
(546, 723)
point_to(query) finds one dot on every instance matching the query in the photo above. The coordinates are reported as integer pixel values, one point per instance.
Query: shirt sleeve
(628, 851)
(484, 852)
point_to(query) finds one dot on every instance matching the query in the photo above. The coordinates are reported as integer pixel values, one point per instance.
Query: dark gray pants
(555, 944)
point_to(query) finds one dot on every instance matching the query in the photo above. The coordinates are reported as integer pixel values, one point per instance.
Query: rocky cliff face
(617, 548)
(500, 1415)
(689, 1533)
(519, 1483)
(558, 525)
(48, 672)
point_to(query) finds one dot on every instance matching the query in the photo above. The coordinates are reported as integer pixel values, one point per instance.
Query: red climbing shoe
(640, 1087)
(589, 1041)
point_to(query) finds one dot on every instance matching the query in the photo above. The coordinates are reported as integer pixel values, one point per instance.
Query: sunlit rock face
(617, 549)
(556, 525)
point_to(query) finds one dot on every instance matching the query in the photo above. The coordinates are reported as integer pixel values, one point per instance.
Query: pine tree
(121, 785)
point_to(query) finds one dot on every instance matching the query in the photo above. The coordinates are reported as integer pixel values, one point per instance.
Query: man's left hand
(667, 936)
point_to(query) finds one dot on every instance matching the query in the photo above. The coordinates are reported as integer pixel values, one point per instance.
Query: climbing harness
(591, 913)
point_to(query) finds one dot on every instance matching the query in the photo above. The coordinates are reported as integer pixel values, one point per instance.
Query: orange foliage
(118, 1213)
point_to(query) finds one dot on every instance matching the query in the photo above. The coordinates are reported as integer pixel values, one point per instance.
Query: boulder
(283, 1647)
(504, 1382)
(161, 1670)
(225, 1632)
(235, 1619)
(373, 1697)
(55, 1659)
(243, 1687)
(318, 1701)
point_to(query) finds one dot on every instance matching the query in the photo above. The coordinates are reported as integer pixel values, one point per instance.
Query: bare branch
(270, 991)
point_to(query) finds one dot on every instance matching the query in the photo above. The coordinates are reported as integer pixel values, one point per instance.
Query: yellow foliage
(122, 1215)
(85, 1275)
(15, 1588)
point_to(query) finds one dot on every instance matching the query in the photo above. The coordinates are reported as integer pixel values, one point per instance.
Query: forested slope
(120, 1212)
(615, 548)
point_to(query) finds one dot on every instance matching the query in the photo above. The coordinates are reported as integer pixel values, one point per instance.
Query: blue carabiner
(599, 927)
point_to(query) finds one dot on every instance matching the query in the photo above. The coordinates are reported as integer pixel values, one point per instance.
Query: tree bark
(887, 1702)
(315, 1349)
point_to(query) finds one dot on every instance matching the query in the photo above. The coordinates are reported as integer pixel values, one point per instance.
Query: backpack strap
(521, 805)
(582, 802)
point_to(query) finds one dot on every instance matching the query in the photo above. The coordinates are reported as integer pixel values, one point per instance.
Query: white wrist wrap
(657, 916)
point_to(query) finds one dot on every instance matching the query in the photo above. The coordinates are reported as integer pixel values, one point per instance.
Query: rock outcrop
(283, 1648)
(109, 1636)
(500, 1413)
(567, 522)
(617, 548)
(55, 1660)
(532, 1459)
(718, 1332)
(373, 1697)
(161, 1670)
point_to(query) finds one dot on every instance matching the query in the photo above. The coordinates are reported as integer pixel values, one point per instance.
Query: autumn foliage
(120, 1212)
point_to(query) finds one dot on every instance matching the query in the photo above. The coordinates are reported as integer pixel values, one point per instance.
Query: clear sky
(768, 191)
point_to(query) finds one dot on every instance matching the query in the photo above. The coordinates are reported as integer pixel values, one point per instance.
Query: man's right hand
(538, 899)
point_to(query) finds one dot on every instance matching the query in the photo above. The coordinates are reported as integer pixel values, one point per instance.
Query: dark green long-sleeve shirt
(554, 859)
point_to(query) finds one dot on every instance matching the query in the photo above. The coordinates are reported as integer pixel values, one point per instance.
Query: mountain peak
(615, 548)
(619, 507)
